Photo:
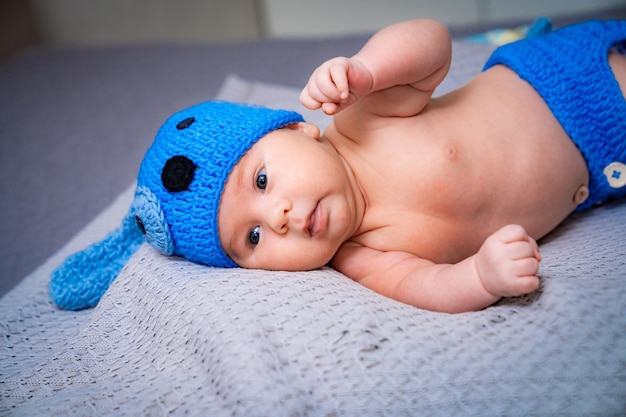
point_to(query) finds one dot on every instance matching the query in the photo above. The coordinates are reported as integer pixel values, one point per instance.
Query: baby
(435, 202)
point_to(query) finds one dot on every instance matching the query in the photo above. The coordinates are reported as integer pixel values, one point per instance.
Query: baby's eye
(261, 180)
(254, 236)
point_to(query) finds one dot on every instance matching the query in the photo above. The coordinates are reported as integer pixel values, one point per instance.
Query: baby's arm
(506, 265)
(415, 53)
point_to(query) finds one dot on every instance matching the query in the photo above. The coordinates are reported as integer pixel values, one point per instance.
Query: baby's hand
(508, 262)
(336, 84)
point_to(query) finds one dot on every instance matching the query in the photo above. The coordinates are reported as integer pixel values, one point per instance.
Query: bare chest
(438, 184)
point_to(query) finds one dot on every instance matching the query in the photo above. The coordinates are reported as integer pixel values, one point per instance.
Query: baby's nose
(279, 215)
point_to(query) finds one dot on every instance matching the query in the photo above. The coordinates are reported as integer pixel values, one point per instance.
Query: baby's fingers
(317, 92)
(329, 82)
(341, 87)
(308, 101)
(518, 240)
(328, 85)
(523, 250)
(524, 267)
(330, 108)
(523, 285)
(312, 98)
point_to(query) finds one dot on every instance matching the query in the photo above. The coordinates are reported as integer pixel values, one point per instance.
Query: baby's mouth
(315, 221)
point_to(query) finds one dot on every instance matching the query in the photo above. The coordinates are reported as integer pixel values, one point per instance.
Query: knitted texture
(85, 276)
(183, 174)
(570, 70)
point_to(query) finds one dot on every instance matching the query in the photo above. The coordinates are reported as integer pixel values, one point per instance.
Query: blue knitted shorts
(569, 69)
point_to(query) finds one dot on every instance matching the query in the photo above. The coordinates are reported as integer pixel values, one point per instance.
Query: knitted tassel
(85, 276)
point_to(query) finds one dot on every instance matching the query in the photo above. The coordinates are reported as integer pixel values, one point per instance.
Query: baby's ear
(308, 129)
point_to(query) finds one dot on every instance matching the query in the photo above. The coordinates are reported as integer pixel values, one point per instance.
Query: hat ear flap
(83, 278)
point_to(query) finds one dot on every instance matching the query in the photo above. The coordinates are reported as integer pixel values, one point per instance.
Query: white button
(615, 173)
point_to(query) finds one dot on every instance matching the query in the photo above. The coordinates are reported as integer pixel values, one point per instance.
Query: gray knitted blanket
(174, 338)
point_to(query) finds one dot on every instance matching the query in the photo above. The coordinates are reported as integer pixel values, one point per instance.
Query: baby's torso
(486, 155)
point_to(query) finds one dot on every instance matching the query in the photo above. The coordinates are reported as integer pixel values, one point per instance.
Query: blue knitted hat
(176, 203)
(183, 174)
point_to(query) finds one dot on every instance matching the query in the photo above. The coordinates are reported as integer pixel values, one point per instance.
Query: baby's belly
(512, 164)
(537, 170)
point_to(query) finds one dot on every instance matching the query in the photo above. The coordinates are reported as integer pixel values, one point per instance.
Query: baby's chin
(290, 263)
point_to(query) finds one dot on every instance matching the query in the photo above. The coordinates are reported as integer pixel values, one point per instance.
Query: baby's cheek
(305, 257)
(286, 256)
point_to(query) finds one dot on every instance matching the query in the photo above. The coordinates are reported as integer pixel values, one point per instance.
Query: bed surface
(175, 338)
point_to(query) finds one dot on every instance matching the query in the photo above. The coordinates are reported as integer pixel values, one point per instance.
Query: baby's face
(289, 203)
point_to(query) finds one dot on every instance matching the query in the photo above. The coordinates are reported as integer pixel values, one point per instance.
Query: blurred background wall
(302, 17)
(25, 23)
